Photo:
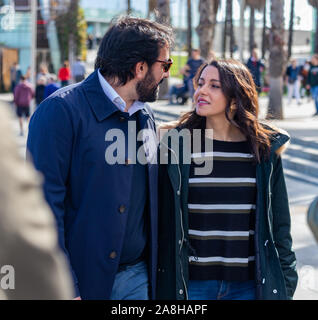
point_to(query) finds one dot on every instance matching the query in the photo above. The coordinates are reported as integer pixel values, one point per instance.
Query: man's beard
(147, 88)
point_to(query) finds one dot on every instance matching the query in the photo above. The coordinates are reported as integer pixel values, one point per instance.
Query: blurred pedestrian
(39, 91)
(90, 41)
(106, 208)
(78, 70)
(256, 66)
(65, 74)
(43, 72)
(312, 80)
(28, 235)
(23, 94)
(191, 67)
(305, 92)
(224, 234)
(293, 77)
(15, 74)
(51, 86)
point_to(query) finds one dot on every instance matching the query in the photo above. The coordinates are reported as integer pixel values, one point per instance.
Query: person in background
(312, 81)
(15, 74)
(293, 78)
(39, 91)
(43, 72)
(190, 69)
(51, 86)
(256, 66)
(28, 234)
(65, 74)
(78, 70)
(23, 94)
(305, 92)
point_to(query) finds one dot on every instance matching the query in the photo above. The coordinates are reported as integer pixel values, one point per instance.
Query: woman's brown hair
(239, 88)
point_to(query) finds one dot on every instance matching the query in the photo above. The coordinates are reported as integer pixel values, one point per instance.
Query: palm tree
(128, 6)
(277, 60)
(254, 5)
(228, 28)
(163, 7)
(291, 28)
(314, 3)
(151, 7)
(252, 44)
(264, 33)
(206, 29)
(189, 30)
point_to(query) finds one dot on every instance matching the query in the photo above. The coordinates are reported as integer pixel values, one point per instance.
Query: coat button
(113, 255)
(128, 162)
(180, 291)
(122, 209)
(178, 192)
(274, 291)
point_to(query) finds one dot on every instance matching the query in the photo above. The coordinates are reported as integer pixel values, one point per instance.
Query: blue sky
(302, 9)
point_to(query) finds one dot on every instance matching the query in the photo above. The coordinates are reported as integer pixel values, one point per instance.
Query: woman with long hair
(224, 234)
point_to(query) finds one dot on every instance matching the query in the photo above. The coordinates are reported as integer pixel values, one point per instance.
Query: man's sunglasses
(166, 65)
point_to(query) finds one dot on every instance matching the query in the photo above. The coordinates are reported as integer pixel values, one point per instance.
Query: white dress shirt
(115, 97)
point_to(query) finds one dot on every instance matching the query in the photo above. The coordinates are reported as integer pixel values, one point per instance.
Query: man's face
(148, 88)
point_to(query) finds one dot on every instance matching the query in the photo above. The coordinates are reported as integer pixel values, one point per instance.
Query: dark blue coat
(90, 198)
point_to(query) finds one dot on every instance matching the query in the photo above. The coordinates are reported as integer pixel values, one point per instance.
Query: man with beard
(103, 198)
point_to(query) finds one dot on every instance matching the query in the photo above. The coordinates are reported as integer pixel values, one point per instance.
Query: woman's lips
(202, 102)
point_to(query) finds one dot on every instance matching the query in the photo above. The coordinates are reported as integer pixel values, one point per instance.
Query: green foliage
(81, 35)
(72, 24)
(178, 63)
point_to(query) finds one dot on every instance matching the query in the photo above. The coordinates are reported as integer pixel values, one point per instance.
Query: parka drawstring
(191, 249)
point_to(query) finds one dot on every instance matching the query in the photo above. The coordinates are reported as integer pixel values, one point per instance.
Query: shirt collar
(115, 97)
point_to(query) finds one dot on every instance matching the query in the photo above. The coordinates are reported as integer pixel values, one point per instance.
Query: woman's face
(208, 98)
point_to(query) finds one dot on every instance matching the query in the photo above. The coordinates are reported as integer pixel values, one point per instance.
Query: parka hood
(279, 140)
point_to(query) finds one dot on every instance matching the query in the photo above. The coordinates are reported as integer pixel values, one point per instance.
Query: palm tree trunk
(189, 31)
(163, 17)
(231, 31)
(252, 29)
(242, 29)
(264, 47)
(316, 34)
(277, 60)
(128, 6)
(205, 29)
(291, 28)
(151, 7)
(227, 26)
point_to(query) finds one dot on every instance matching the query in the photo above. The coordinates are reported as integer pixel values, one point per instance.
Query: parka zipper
(181, 223)
(183, 237)
(269, 202)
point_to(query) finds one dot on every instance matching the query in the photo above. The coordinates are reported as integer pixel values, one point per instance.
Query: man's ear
(141, 69)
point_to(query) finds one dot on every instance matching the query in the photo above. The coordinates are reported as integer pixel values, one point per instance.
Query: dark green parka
(275, 271)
